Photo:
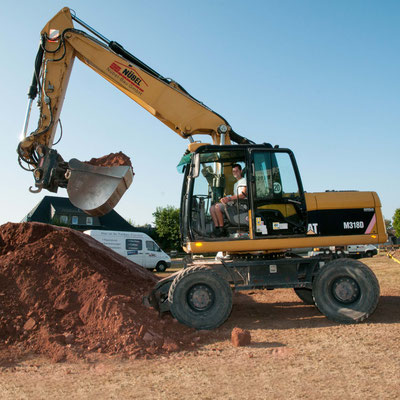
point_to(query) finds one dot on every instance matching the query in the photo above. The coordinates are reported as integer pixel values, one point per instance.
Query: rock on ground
(240, 337)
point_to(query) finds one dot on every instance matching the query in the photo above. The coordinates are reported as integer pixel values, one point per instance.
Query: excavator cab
(274, 205)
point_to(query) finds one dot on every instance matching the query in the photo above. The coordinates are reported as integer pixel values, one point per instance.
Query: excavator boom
(60, 44)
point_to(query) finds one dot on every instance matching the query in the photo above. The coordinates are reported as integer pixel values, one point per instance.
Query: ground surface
(295, 353)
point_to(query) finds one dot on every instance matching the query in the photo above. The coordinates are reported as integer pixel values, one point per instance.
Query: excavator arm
(164, 98)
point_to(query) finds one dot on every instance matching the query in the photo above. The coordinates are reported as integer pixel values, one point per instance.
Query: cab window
(274, 176)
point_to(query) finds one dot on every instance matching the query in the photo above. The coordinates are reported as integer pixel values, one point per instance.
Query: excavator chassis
(200, 295)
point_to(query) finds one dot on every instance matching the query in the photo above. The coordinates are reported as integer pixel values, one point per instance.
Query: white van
(362, 250)
(354, 250)
(135, 246)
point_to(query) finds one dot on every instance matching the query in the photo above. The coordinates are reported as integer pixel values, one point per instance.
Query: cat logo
(312, 229)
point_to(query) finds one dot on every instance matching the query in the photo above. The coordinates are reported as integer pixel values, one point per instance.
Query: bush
(167, 227)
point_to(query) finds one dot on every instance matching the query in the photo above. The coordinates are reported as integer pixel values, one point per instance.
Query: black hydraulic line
(230, 272)
(33, 89)
(117, 48)
(239, 139)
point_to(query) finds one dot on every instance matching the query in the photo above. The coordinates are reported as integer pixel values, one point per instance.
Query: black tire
(346, 291)
(305, 295)
(369, 254)
(200, 298)
(161, 266)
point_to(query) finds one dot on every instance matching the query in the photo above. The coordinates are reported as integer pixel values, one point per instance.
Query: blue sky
(319, 77)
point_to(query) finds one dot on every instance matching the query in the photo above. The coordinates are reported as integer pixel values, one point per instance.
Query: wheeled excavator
(262, 229)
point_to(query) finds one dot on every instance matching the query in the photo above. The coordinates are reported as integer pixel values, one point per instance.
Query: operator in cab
(239, 192)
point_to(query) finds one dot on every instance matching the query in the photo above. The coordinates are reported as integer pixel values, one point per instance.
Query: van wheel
(200, 298)
(161, 266)
(346, 291)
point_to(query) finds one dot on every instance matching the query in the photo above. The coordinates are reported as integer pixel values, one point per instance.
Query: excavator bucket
(97, 190)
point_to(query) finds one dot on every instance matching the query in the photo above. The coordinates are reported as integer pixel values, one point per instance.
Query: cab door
(278, 203)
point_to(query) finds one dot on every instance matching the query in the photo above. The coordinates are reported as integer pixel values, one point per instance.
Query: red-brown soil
(111, 160)
(65, 295)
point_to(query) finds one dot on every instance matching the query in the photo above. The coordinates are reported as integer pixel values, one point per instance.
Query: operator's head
(237, 171)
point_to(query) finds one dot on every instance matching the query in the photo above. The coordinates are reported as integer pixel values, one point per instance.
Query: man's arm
(241, 195)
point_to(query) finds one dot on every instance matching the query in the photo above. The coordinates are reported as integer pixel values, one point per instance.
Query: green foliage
(56, 221)
(167, 227)
(388, 224)
(396, 222)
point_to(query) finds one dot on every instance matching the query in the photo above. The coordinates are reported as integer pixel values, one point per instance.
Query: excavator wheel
(305, 295)
(346, 291)
(200, 298)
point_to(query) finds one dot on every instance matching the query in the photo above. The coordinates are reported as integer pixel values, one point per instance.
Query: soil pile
(111, 160)
(65, 295)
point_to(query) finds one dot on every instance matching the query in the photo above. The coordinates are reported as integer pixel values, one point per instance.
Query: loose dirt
(294, 353)
(111, 160)
(66, 296)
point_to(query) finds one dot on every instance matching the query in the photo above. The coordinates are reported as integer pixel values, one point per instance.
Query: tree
(388, 224)
(396, 222)
(167, 227)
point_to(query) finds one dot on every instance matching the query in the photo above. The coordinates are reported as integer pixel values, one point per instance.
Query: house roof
(62, 205)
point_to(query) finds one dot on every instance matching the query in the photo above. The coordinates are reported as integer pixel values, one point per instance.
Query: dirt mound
(65, 295)
(111, 160)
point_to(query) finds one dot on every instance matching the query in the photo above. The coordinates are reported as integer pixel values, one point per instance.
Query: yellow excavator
(266, 214)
